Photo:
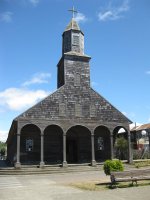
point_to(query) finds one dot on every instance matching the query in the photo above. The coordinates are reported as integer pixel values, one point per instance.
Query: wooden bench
(132, 175)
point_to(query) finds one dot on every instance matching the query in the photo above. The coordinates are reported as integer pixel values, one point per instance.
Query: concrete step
(47, 170)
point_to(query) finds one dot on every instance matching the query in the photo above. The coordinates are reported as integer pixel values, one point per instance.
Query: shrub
(140, 154)
(112, 165)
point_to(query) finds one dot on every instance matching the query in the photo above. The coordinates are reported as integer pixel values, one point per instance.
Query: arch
(30, 144)
(29, 124)
(102, 143)
(53, 144)
(120, 135)
(78, 146)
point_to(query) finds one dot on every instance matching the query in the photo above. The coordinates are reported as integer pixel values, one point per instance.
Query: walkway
(56, 187)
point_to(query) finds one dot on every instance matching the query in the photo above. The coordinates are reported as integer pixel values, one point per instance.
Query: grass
(129, 184)
(142, 163)
(91, 186)
(95, 186)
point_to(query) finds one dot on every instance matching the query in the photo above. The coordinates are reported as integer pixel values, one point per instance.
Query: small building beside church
(140, 137)
(74, 124)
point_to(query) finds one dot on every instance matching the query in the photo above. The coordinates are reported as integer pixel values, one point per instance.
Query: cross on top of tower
(73, 11)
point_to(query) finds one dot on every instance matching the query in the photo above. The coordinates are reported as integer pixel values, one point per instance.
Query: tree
(121, 145)
(2, 148)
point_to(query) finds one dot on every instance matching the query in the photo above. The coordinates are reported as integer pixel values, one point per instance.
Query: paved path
(55, 187)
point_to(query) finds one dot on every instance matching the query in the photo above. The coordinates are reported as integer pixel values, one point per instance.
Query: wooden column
(148, 131)
(64, 164)
(112, 145)
(18, 164)
(42, 150)
(93, 162)
(130, 159)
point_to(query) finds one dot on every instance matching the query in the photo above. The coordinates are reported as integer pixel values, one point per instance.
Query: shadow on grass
(127, 185)
(92, 186)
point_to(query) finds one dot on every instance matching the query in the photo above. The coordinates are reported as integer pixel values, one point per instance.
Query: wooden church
(74, 124)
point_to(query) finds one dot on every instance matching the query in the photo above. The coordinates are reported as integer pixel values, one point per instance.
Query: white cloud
(134, 124)
(80, 17)
(38, 79)
(3, 135)
(34, 2)
(148, 72)
(17, 99)
(149, 119)
(6, 17)
(113, 12)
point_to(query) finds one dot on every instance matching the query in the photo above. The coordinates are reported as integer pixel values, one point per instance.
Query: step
(47, 170)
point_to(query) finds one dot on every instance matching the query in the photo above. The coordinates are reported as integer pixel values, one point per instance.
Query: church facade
(74, 124)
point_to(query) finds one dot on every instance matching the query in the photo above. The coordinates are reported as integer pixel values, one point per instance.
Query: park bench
(132, 175)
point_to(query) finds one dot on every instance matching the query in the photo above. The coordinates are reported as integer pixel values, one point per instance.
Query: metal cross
(73, 11)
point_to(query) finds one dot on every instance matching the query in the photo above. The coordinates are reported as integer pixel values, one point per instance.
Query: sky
(117, 37)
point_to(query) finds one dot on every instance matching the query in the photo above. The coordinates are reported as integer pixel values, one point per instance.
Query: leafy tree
(121, 145)
(2, 148)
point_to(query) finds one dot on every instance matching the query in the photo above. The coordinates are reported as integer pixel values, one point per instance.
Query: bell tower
(73, 67)
(73, 38)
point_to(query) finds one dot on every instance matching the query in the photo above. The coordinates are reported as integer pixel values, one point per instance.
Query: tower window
(76, 40)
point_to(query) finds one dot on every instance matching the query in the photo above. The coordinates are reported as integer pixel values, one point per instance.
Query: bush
(112, 165)
(140, 154)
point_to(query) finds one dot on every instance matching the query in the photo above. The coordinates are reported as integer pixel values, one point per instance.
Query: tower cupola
(73, 37)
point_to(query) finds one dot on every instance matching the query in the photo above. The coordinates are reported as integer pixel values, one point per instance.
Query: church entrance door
(53, 145)
(78, 145)
(72, 156)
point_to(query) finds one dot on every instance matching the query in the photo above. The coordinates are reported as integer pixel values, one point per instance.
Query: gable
(105, 110)
(75, 102)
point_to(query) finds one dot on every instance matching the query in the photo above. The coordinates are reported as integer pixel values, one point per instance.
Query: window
(100, 143)
(29, 145)
(75, 40)
(92, 111)
(62, 109)
(78, 110)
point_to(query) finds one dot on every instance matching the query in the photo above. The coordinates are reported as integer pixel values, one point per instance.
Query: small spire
(73, 11)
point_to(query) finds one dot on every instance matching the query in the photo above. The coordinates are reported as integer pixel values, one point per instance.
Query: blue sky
(117, 37)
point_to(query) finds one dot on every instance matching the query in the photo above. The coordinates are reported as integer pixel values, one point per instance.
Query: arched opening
(53, 145)
(30, 144)
(120, 143)
(102, 143)
(78, 145)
